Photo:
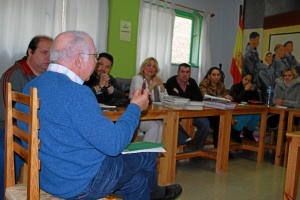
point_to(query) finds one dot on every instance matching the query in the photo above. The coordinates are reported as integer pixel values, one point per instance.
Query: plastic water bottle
(270, 97)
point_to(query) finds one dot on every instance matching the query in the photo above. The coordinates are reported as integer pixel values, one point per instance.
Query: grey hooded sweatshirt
(290, 93)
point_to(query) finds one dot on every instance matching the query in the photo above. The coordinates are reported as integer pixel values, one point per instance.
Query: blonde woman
(147, 79)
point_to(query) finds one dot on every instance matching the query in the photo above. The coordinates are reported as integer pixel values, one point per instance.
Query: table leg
(262, 137)
(280, 136)
(167, 164)
(289, 130)
(223, 142)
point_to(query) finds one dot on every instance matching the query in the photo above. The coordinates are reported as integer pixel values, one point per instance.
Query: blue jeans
(18, 162)
(249, 120)
(133, 176)
(202, 124)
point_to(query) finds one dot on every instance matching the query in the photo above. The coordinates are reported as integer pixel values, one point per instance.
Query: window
(186, 38)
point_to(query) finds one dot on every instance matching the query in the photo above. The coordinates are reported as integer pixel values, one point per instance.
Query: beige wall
(281, 39)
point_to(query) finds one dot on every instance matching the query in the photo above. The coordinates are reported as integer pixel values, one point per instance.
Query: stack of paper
(209, 97)
(224, 105)
(194, 105)
(176, 99)
(137, 147)
(218, 102)
(173, 105)
(175, 102)
(107, 107)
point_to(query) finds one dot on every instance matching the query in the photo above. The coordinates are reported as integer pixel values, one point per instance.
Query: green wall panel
(124, 52)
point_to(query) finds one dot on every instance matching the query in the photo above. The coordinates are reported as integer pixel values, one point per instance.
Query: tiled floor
(245, 180)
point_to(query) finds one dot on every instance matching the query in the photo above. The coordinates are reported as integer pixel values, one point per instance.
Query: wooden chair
(31, 190)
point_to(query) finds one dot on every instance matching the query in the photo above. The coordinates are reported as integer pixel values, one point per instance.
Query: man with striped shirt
(30, 66)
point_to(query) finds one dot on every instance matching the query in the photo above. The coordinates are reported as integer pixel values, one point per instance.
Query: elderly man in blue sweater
(80, 148)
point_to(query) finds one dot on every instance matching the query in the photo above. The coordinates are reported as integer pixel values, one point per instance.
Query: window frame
(191, 16)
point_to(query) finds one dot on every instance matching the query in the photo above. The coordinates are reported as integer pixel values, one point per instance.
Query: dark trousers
(215, 125)
(133, 176)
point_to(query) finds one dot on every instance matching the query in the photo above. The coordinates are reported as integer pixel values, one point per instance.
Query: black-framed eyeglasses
(97, 54)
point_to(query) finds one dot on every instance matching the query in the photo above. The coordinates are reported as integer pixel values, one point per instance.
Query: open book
(137, 147)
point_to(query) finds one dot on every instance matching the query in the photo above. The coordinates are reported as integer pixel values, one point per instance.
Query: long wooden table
(171, 118)
(224, 146)
(221, 156)
(253, 109)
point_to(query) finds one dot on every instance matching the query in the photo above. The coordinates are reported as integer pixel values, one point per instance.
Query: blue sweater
(75, 136)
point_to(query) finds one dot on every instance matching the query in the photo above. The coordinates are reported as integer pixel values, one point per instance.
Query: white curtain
(90, 16)
(204, 53)
(156, 21)
(21, 20)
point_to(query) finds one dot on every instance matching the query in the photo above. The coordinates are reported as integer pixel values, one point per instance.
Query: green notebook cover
(142, 145)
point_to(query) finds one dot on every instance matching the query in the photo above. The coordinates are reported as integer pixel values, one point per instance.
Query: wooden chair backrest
(30, 155)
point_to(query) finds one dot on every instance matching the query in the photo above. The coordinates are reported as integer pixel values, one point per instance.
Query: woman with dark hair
(212, 85)
(244, 91)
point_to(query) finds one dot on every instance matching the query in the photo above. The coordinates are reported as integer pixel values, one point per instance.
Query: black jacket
(238, 92)
(192, 91)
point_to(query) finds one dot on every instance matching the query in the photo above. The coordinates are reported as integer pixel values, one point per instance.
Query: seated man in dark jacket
(104, 85)
(184, 86)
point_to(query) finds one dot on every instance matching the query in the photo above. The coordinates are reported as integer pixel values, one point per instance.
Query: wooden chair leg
(23, 175)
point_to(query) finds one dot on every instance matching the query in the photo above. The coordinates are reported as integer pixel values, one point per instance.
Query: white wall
(223, 28)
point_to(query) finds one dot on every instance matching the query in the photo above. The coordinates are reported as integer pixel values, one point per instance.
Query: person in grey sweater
(286, 94)
(287, 89)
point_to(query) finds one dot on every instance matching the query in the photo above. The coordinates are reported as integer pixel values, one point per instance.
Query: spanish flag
(237, 62)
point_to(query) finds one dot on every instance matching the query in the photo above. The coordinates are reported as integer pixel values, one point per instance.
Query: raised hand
(157, 81)
(104, 80)
(142, 100)
(249, 86)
